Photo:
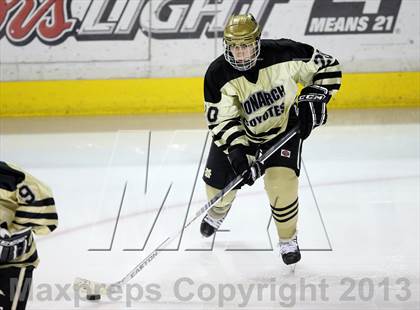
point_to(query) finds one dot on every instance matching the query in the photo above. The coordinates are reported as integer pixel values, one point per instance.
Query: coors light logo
(23, 20)
(52, 21)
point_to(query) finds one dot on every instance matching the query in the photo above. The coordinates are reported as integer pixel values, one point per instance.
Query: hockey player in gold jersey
(251, 101)
(26, 207)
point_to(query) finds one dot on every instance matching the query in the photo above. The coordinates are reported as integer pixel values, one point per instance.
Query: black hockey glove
(14, 245)
(239, 162)
(312, 104)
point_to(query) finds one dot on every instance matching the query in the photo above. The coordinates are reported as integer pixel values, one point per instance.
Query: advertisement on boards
(83, 39)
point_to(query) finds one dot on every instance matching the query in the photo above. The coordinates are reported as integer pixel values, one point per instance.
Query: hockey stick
(95, 289)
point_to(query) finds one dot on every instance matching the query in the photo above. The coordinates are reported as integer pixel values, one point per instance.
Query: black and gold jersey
(25, 202)
(253, 106)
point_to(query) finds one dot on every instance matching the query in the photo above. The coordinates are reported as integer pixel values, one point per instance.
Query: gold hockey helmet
(241, 40)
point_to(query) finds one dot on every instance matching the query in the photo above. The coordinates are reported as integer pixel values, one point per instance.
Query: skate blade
(293, 268)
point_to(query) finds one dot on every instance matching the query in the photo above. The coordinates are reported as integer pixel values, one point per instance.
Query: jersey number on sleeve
(26, 193)
(323, 60)
(212, 114)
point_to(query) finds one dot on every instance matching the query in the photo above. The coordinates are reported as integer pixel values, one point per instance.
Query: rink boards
(181, 95)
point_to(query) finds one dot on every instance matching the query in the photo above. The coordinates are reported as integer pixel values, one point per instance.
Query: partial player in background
(250, 102)
(26, 207)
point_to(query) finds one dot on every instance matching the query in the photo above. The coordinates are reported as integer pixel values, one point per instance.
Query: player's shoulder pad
(217, 75)
(283, 50)
(10, 177)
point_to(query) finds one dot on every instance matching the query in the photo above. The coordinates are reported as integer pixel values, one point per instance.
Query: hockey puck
(93, 297)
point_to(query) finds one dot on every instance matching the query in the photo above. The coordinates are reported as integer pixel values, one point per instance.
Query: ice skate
(289, 250)
(209, 225)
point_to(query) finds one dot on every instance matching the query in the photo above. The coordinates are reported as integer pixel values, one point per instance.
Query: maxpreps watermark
(283, 292)
(352, 16)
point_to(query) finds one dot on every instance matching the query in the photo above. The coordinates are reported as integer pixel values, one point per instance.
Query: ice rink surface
(122, 185)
